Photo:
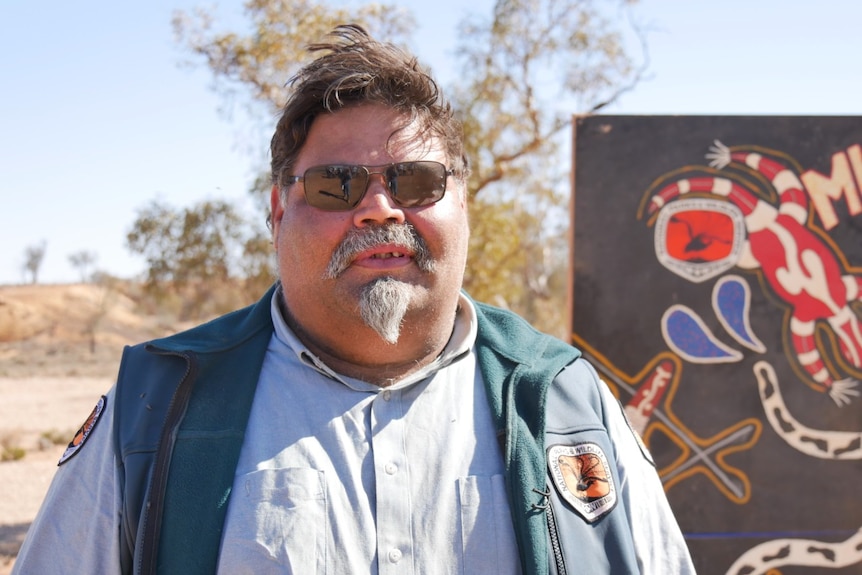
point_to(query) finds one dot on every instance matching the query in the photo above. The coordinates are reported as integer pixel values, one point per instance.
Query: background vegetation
(526, 69)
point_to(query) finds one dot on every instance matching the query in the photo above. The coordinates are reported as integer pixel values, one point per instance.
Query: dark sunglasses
(340, 187)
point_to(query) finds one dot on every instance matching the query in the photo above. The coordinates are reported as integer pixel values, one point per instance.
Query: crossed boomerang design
(697, 455)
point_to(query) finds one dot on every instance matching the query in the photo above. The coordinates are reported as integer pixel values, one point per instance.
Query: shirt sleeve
(77, 527)
(658, 541)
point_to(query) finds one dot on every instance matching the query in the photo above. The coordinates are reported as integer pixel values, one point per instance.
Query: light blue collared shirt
(337, 475)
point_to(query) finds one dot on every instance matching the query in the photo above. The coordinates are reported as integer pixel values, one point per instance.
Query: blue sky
(98, 117)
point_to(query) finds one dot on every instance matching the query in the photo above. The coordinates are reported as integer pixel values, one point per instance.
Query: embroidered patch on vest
(82, 434)
(583, 478)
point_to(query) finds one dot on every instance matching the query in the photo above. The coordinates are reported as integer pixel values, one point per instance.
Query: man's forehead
(378, 133)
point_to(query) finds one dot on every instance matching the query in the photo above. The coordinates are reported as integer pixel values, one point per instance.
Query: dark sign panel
(718, 288)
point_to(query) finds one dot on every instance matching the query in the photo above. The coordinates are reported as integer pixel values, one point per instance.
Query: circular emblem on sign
(699, 238)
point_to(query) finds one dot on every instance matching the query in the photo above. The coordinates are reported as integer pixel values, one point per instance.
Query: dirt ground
(32, 406)
(60, 346)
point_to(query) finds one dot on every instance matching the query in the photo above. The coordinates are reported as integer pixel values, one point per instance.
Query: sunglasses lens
(416, 183)
(340, 187)
(335, 187)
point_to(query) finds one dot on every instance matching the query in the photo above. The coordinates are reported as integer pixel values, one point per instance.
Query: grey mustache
(358, 240)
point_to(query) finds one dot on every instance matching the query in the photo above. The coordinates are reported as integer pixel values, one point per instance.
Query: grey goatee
(383, 302)
(382, 305)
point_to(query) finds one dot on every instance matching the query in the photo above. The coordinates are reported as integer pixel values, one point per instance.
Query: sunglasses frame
(383, 170)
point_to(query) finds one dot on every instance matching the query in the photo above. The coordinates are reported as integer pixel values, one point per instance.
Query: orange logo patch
(84, 432)
(583, 478)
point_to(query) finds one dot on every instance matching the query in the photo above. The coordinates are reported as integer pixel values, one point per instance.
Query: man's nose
(377, 205)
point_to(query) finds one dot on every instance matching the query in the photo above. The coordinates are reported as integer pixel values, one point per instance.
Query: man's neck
(359, 352)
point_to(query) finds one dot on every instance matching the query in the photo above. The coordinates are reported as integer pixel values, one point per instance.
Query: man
(365, 416)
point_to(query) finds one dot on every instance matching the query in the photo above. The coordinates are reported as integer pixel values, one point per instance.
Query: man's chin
(383, 303)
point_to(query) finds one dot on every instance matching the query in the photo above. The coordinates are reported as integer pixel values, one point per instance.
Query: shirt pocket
(276, 523)
(487, 534)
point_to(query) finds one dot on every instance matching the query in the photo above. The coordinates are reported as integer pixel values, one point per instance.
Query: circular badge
(82, 434)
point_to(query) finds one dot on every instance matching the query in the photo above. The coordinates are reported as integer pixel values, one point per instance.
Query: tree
(191, 253)
(83, 261)
(265, 59)
(532, 64)
(257, 265)
(93, 320)
(528, 68)
(34, 255)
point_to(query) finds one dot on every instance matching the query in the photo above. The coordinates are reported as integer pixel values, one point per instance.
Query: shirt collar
(460, 342)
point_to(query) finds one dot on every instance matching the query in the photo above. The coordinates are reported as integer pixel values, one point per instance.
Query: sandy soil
(30, 407)
(59, 350)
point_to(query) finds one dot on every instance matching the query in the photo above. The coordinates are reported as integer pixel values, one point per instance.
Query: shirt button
(391, 469)
(395, 555)
(387, 395)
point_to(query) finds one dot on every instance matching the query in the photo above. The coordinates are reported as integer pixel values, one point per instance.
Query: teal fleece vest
(183, 404)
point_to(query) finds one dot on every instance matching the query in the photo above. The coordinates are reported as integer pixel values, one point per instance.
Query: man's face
(323, 301)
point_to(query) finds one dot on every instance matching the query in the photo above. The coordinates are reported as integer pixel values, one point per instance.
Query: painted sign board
(717, 286)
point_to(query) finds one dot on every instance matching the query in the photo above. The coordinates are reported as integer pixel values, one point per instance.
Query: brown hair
(356, 69)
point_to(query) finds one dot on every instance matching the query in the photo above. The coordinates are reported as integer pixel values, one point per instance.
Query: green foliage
(527, 68)
(257, 265)
(195, 254)
(533, 64)
(263, 60)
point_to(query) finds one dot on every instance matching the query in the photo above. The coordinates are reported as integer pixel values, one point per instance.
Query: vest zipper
(154, 506)
(555, 540)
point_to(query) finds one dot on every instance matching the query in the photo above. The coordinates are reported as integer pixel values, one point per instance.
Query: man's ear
(276, 210)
